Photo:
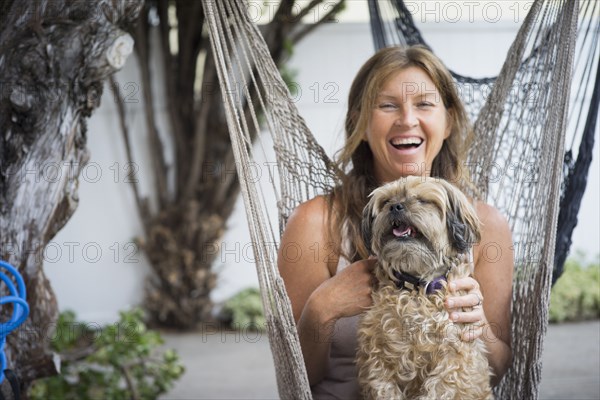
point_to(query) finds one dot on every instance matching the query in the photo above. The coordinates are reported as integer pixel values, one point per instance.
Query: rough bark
(54, 56)
(183, 237)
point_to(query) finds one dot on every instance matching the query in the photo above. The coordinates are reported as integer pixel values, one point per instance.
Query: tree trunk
(183, 237)
(54, 56)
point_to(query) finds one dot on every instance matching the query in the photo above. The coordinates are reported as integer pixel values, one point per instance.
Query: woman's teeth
(403, 143)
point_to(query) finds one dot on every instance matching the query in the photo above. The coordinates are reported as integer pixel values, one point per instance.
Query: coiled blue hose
(20, 308)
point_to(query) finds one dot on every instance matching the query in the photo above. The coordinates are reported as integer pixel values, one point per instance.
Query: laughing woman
(404, 118)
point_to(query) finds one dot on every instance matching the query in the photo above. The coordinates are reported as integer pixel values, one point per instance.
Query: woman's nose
(406, 117)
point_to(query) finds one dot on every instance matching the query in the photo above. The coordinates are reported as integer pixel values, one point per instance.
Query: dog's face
(413, 223)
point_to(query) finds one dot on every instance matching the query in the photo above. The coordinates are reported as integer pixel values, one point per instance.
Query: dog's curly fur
(408, 347)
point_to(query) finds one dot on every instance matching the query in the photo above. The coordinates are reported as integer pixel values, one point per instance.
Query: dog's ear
(367, 225)
(463, 222)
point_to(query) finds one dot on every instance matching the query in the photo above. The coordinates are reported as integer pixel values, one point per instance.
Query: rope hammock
(510, 131)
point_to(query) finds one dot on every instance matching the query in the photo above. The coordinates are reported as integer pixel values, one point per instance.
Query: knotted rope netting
(524, 127)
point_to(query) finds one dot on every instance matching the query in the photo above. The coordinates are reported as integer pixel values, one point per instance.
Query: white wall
(98, 286)
(93, 263)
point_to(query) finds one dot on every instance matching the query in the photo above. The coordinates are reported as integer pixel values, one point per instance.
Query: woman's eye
(387, 106)
(424, 104)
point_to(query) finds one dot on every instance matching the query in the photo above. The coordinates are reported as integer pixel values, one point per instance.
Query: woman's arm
(492, 283)
(306, 264)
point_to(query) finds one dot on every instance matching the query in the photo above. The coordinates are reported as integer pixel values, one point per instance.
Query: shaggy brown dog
(421, 230)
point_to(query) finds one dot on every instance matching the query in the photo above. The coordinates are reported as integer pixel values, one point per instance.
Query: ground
(228, 365)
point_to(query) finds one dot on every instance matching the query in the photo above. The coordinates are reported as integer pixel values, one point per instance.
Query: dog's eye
(423, 201)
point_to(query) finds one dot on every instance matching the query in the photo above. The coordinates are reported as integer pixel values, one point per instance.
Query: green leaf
(99, 375)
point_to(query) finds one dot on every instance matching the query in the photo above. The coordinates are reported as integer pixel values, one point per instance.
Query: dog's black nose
(397, 208)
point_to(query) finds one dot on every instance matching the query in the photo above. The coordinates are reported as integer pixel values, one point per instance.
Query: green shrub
(244, 310)
(576, 294)
(118, 361)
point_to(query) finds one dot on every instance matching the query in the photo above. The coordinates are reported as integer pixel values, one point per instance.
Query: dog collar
(409, 282)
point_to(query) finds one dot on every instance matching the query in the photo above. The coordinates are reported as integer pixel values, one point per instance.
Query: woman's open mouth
(406, 143)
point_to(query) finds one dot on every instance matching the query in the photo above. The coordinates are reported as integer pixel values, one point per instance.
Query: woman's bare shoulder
(309, 230)
(301, 260)
(308, 223)
(313, 211)
(492, 220)
(496, 237)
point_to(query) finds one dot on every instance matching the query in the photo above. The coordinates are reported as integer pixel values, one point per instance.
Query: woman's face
(408, 125)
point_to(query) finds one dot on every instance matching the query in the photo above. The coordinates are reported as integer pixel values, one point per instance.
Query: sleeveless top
(341, 377)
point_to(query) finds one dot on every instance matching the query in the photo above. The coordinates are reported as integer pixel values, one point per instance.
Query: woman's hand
(345, 294)
(473, 300)
(348, 293)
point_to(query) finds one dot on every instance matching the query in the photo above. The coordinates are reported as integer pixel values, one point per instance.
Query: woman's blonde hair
(356, 158)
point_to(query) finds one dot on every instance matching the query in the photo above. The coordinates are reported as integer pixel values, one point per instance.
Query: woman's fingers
(474, 323)
(468, 300)
(479, 300)
(474, 316)
(472, 300)
(469, 284)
